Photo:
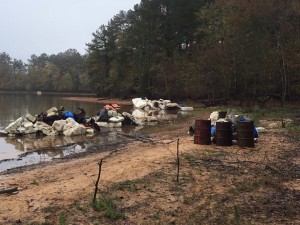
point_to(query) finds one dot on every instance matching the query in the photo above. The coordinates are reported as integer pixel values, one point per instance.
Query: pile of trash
(62, 122)
(29, 124)
(161, 104)
(145, 110)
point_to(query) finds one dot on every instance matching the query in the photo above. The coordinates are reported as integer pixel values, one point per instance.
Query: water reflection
(34, 158)
(35, 151)
(41, 156)
(32, 143)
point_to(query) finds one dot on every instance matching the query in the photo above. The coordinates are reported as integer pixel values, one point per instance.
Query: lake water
(23, 150)
(26, 150)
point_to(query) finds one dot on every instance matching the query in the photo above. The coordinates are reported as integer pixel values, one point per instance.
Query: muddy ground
(140, 183)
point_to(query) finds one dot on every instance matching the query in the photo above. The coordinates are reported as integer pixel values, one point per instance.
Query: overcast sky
(51, 26)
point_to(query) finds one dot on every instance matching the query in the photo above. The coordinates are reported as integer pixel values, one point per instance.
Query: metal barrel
(224, 133)
(202, 132)
(222, 114)
(245, 134)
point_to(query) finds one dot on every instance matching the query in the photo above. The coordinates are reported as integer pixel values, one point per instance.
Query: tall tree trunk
(284, 79)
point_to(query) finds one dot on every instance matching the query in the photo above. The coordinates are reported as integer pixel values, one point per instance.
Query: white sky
(51, 26)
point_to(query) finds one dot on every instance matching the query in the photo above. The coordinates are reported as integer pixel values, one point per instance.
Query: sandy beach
(214, 184)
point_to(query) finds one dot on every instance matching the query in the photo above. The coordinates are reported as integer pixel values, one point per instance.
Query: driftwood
(8, 190)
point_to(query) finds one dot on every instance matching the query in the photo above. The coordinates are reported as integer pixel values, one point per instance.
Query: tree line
(198, 49)
(64, 72)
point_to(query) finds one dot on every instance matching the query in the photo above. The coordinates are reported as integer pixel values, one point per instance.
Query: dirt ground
(141, 184)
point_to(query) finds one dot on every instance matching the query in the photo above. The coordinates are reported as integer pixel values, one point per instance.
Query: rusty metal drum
(202, 132)
(245, 133)
(224, 133)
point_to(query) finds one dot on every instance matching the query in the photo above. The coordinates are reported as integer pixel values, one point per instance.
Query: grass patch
(107, 205)
(236, 215)
(37, 223)
(138, 184)
(34, 182)
(247, 185)
(274, 113)
(192, 199)
(189, 157)
(62, 219)
(287, 209)
(293, 131)
(129, 185)
(80, 207)
(52, 209)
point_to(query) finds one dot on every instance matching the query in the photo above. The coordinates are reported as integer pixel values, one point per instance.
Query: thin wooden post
(96, 184)
(178, 162)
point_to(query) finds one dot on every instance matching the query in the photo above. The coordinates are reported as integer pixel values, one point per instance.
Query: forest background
(242, 50)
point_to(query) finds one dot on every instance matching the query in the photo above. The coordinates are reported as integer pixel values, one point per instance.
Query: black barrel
(224, 133)
(202, 132)
(245, 134)
(222, 114)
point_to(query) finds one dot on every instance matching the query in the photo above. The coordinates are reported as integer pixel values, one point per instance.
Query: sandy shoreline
(142, 177)
(65, 181)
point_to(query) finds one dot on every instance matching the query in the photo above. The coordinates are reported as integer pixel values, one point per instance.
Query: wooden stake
(178, 163)
(96, 184)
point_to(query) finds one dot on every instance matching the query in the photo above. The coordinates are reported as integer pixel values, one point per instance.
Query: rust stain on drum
(202, 132)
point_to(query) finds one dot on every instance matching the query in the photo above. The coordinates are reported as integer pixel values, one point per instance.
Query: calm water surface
(25, 150)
